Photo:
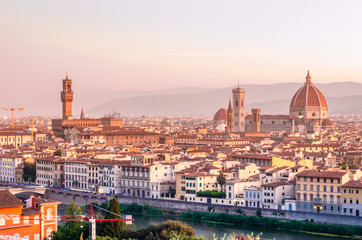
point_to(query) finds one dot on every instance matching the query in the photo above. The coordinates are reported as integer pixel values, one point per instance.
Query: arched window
(16, 236)
(49, 213)
(49, 233)
(332, 199)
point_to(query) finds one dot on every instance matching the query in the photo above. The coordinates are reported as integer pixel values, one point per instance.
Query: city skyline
(160, 45)
(179, 117)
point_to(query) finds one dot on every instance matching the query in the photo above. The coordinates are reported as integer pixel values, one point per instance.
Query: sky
(159, 44)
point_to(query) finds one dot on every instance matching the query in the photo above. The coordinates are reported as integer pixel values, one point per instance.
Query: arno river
(208, 229)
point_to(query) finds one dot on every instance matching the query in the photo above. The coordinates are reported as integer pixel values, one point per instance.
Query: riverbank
(151, 216)
(84, 199)
(258, 222)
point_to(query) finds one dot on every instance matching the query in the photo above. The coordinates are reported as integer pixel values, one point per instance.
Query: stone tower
(230, 119)
(255, 122)
(67, 98)
(82, 116)
(239, 109)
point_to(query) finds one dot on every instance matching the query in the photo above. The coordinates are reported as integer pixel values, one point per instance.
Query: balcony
(136, 187)
(136, 177)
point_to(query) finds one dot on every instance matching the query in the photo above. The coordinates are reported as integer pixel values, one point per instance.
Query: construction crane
(80, 218)
(12, 113)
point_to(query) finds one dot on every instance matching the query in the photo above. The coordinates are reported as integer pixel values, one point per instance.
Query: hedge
(211, 194)
(274, 223)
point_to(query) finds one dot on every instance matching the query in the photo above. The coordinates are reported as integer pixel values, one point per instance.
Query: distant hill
(272, 99)
(343, 97)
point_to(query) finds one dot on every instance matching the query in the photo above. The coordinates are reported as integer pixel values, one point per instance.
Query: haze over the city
(129, 45)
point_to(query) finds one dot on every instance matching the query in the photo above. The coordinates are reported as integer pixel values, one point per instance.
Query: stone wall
(81, 200)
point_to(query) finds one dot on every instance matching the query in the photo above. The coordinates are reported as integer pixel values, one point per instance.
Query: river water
(207, 229)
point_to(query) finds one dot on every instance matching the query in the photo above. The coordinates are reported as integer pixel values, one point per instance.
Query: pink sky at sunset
(127, 45)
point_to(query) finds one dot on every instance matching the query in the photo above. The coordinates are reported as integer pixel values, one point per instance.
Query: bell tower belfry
(67, 98)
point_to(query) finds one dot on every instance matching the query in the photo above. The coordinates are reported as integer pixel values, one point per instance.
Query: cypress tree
(112, 229)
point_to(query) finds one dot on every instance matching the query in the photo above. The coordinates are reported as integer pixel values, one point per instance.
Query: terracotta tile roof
(7, 199)
(325, 174)
(275, 184)
(43, 200)
(30, 211)
(353, 184)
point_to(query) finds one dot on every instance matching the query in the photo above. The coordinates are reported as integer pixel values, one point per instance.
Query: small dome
(327, 123)
(221, 115)
(308, 96)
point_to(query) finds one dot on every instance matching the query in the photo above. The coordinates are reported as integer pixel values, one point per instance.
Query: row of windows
(131, 137)
(252, 195)
(9, 139)
(76, 170)
(317, 198)
(318, 188)
(351, 191)
(317, 179)
(75, 178)
(311, 206)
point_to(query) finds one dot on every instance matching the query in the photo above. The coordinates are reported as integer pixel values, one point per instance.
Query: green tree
(221, 179)
(57, 153)
(258, 212)
(29, 171)
(74, 210)
(112, 228)
(72, 229)
(147, 206)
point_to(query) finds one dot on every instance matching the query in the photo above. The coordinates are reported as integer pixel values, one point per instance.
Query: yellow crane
(12, 113)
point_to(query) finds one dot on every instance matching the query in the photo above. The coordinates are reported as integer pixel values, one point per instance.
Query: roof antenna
(238, 83)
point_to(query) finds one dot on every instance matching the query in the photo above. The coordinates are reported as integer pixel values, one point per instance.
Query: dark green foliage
(221, 179)
(135, 208)
(274, 223)
(147, 206)
(72, 229)
(105, 238)
(258, 212)
(163, 231)
(57, 153)
(211, 194)
(112, 229)
(210, 208)
(29, 171)
(132, 208)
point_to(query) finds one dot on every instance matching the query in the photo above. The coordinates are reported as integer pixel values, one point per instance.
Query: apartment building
(135, 179)
(351, 198)
(163, 177)
(50, 171)
(15, 137)
(199, 181)
(109, 177)
(8, 165)
(76, 174)
(252, 197)
(130, 137)
(320, 191)
(93, 171)
(274, 193)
